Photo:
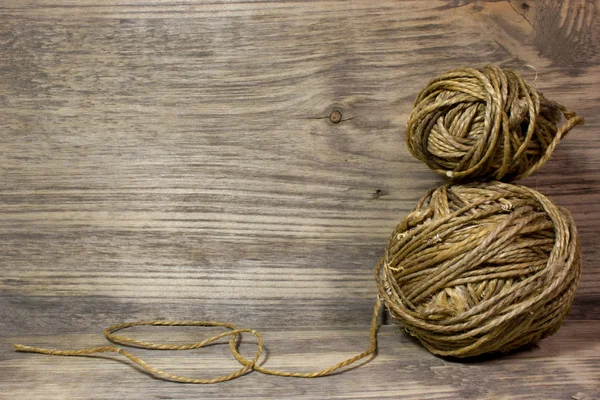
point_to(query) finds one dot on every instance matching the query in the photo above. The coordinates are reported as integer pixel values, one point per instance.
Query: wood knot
(335, 117)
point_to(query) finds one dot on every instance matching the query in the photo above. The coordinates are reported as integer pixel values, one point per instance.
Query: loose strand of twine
(233, 333)
(572, 120)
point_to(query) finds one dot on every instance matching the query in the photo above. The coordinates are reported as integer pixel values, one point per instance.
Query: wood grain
(175, 159)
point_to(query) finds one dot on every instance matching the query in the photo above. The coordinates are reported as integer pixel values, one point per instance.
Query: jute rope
(481, 268)
(234, 332)
(473, 269)
(486, 123)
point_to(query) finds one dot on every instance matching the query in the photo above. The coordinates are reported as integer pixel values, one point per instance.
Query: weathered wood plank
(175, 159)
(149, 144)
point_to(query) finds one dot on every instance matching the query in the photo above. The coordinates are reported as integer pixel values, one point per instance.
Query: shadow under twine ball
(485, 123)
(481, 268)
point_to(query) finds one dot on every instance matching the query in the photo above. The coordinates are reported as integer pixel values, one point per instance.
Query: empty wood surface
(176, 160)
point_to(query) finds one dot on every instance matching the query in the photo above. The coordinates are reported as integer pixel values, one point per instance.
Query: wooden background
(175, 159)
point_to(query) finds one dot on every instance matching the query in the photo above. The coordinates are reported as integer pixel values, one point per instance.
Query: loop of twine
(234, 332)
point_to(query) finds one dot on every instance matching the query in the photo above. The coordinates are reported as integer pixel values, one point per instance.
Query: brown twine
(481, 268)
(473, 269)
(234, 332)
(485, 123)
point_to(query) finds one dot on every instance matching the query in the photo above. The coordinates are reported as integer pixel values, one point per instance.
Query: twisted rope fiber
(234, 332)
(475, 268)
(481, 268)
(485, 123)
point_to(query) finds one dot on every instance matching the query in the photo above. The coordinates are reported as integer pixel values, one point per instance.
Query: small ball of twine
(481, 268)
(485, 123)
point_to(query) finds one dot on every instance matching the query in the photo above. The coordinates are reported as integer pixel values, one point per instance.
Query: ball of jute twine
(481, 268)
(485, 123)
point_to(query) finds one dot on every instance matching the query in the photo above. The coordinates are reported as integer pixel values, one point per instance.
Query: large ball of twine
(485, 123)
(481, 268)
